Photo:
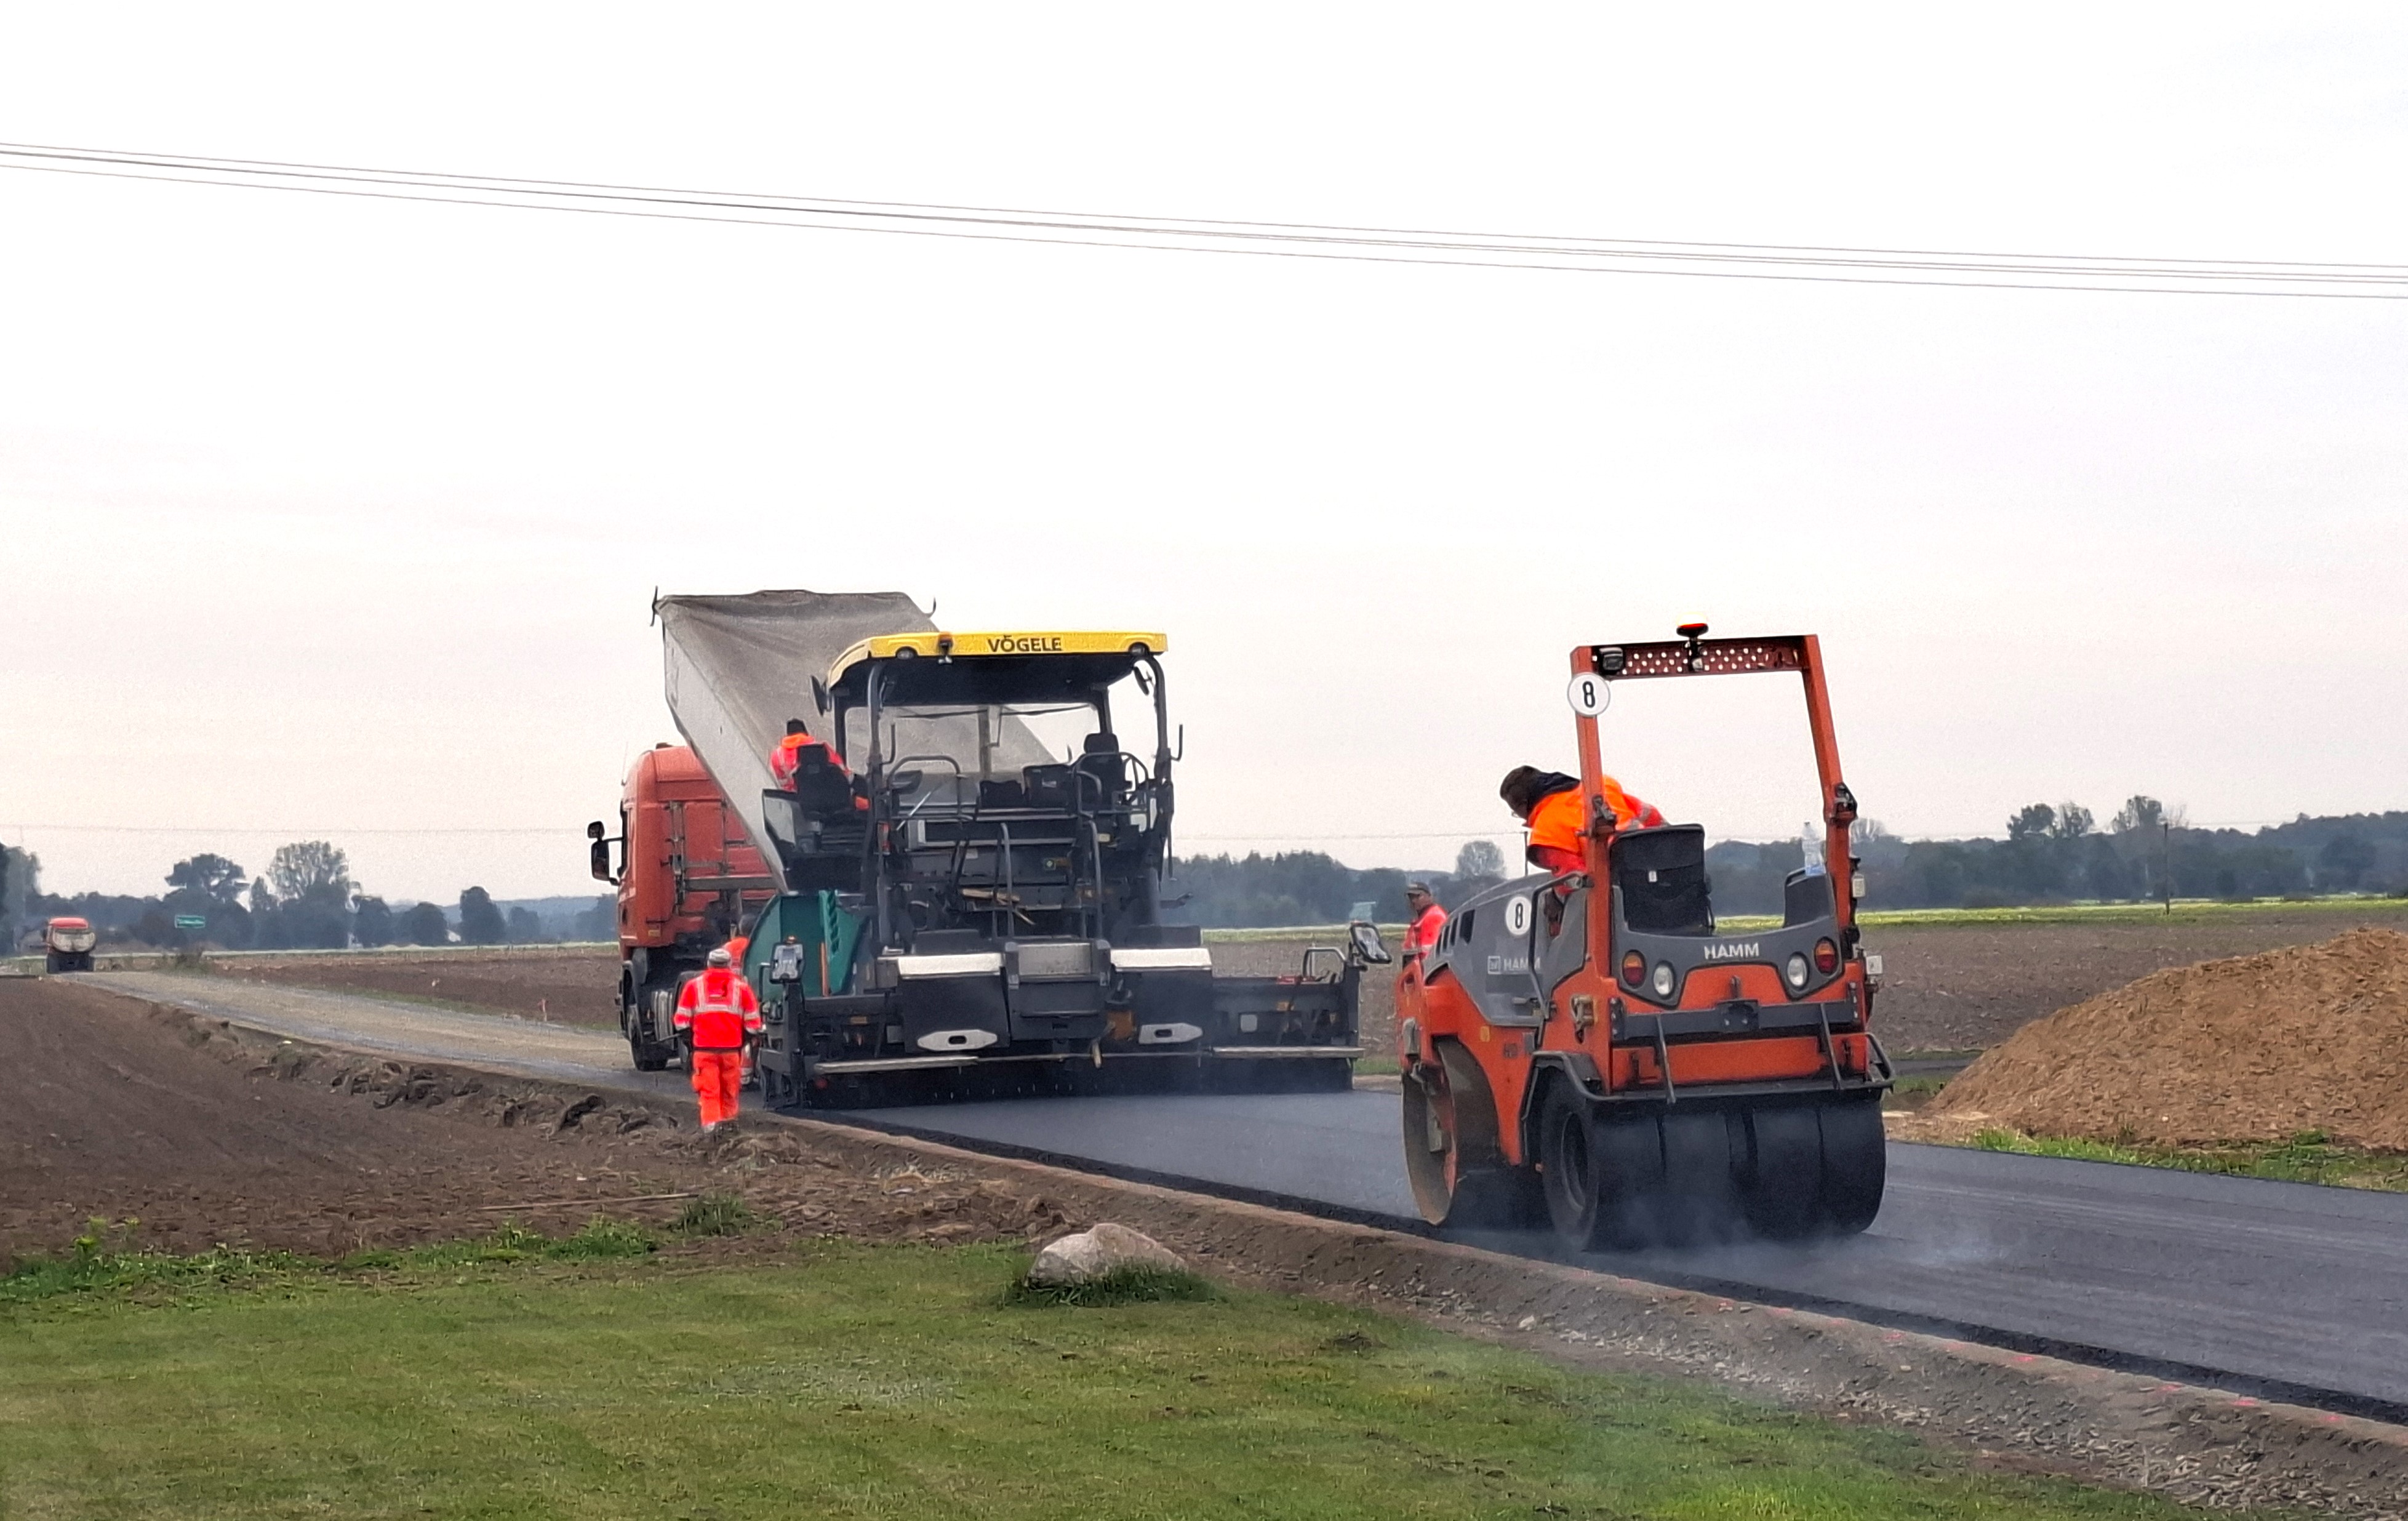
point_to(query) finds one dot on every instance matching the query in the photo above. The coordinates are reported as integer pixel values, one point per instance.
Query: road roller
(1586, 1049)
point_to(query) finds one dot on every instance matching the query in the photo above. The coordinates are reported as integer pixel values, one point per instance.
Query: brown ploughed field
(207, 1135)
(1967, 987)
(1947, 987)
(567, 984)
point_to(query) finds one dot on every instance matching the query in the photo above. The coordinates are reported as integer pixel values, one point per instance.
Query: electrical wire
(289, 832)
(2106, 273)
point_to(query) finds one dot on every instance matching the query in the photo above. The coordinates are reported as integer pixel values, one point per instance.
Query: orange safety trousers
(717, 1077)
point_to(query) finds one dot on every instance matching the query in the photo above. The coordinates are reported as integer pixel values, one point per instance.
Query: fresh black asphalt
(2284, 1288)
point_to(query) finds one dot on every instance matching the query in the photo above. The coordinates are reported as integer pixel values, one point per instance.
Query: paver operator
(787, 759)
(718, 1018)
(1549, 804)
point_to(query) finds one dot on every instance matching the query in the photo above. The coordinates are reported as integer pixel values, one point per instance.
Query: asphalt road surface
(2284, 1288)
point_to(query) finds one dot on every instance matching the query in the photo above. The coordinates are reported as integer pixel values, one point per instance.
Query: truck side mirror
(819, 696)
(594, 830)
(598, 857)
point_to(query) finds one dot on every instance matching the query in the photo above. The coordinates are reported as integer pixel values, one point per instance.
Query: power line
(290, 832)
(2108, 273)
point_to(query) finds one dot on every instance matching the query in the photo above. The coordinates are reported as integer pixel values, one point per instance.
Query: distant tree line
(305, 900)
(2059, 853)
(2048, 853)
(1306, 887)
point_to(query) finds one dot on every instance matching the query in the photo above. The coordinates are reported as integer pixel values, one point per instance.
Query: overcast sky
(340, 518)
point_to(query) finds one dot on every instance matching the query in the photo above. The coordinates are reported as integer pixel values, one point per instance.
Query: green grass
(849, 1381)
(100, 1262)
(714, 1214)
(1914, 1092)
(2309, 1156)
(1136, 1284)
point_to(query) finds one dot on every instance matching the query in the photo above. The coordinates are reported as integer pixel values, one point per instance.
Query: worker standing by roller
(1548, 803)
(717, 1017)
(1424, 919)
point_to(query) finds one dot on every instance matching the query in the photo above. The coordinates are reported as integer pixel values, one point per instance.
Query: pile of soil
(211, 1134)
(1969, 986)
(2255, 1048)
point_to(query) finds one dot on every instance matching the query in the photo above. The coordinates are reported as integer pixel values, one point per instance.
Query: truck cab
(688, 880)
(67, 945)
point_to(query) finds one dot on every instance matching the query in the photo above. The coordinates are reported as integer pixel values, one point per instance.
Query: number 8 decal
(1518, 917)
(1589, 693)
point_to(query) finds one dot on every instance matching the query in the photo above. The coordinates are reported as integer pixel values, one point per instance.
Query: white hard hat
(719, 957)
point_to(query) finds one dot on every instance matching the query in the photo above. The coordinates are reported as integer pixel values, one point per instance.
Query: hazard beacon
(1585, 1049)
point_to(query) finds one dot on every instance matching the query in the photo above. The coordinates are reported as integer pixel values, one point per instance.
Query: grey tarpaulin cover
(738, 668)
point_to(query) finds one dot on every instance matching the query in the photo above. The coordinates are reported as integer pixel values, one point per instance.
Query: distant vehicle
(68, 942)
(688, 880)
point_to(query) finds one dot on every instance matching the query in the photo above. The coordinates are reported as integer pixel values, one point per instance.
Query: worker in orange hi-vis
(1424, 919)
(1548, 803)
(786, 760)
(717, 1017)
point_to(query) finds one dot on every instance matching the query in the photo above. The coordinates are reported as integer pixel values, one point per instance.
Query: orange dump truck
(66, 944)
(688, 879)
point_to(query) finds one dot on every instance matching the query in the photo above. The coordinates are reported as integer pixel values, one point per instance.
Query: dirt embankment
(2252, 1048)
(211, 1134)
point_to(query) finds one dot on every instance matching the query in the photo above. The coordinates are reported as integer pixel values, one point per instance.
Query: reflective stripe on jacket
(719, 1008)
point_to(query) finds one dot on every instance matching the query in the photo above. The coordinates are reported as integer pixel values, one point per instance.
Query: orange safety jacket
(1421, 936)
(1559, 822)
(787, 759)
(718, 1011)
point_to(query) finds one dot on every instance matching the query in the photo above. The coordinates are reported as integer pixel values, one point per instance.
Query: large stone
(1097, 1253)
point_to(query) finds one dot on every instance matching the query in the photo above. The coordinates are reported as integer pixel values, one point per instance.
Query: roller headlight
(1796, 969)
(1663, 984)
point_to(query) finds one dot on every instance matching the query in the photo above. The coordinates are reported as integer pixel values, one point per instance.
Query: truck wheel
(647, 1056)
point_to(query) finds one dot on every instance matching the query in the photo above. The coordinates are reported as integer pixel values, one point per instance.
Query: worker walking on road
(1548, 803)
(1424, 919)
(718, 1017)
